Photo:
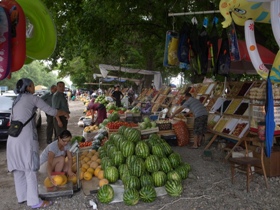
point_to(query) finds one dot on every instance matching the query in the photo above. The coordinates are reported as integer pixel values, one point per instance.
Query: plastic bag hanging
(233, 46)
(223, 62)
(171, 49)
(184, 48)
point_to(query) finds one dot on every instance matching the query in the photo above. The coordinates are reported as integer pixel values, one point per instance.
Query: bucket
(261, 131)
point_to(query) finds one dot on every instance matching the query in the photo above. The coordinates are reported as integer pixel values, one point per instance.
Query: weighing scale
(66, 190)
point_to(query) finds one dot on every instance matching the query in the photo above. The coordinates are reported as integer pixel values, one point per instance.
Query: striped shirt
(196, 107)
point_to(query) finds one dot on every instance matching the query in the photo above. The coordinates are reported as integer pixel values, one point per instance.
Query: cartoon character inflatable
(245, 13)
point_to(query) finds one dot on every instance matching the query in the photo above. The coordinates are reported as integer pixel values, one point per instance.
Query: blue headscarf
(21, 86)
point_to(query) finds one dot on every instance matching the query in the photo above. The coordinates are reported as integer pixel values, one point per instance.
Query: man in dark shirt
(50, 126)
(60, 102)
(117, 96)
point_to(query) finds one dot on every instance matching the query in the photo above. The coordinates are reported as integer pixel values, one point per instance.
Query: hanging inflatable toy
(18, 38)
(41, 39)
(5, 44)
(244, 13)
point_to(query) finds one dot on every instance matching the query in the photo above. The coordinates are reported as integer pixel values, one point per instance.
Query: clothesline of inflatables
(193, 13)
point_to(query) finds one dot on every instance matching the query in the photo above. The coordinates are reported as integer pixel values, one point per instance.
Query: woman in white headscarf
(23, 151)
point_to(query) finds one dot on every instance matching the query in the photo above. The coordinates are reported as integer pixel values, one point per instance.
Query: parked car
(6, 102)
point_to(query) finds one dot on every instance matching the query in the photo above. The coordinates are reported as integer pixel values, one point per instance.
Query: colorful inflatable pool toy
(42, 41)
(5, 43)
(245, 13)
(18, 27)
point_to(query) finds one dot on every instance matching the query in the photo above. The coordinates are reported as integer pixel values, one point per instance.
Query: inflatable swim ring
(18, 45)
(42, 42)
(5, 44)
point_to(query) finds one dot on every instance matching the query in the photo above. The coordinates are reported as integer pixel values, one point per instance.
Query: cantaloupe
(85, 165)
(83, 169)
(94, 157)
(98, 161)
(94, 165)
(97, 154)
(81, 175)
(96, 171)
(100, 174)
(58, 179)
(87, 176)
(103, 182)
(47, 182)
(72, 179)
(91, 170)
(86, 159)
(64, 180)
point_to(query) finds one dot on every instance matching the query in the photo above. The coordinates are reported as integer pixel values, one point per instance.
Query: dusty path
(208, 187)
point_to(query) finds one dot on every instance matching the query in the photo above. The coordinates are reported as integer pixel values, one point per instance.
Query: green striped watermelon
(132, 182)
(130, 159)
(105, 194)
(123, 168)
(182, 171)
(175, 159)
(105, 162)
(137, 168)
(174, 175)
(152, 163)
(118, 158)
(131, 197)
(166, 148)
(142, 149)
(165, 165)
(159, 178)
(111, 173)
(174, 188)
(133, 135)
(148, 194)
(127, 148)
(146, 180)
(158, 150)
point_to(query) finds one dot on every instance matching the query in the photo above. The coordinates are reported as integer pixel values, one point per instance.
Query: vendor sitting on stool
(52, 158)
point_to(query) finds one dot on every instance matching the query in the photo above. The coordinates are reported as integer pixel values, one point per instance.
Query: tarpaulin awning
(104, 69)
(115, 78)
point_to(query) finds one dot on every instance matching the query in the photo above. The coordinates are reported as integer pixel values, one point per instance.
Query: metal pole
(193, 13)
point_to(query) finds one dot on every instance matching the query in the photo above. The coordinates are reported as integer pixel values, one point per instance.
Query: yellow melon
(81, 175)
(100, 174)
(94, 165)
(93, 151)
(87, 176)
(86, 159)
(94, 157)
(96, 171)
(97, 154)
(89, 155)
(86, 166)
(103, 182)
(58, 179)
(47, 182)
(98, 161)
(83, 169)
(89, 162)
(64, 180)
(82, 162)
(85, 153)
(91, 170)
(99, 166)
(72, 179)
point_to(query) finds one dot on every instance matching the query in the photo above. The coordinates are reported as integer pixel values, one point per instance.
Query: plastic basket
(153, 117)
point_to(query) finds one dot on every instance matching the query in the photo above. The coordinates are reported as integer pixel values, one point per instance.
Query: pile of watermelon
(142, 165)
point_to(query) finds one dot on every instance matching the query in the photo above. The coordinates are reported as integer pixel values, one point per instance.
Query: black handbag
(17, 126)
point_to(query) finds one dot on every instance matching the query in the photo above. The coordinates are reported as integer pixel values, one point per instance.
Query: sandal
(42, 204)
(22, 202)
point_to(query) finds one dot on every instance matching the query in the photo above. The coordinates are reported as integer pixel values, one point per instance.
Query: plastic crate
(170, 139)
(164, 126)
(153, 117)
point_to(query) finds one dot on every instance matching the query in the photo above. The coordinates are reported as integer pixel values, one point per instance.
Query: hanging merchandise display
(184, 48)
(5, 44)
(213, 46)
(171, 49)
(195, 47)
(203, 45)
(223, 62)
(233, 46)
(18, 37)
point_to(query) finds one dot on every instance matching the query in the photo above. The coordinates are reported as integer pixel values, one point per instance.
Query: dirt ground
(208, 186)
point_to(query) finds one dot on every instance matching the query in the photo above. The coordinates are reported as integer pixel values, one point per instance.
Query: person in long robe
(23, 151)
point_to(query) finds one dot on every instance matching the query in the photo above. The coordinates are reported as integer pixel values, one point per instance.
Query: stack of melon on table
(142, 165)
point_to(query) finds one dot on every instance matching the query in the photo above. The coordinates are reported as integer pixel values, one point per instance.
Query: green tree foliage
(119, 32)
(35, 71)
